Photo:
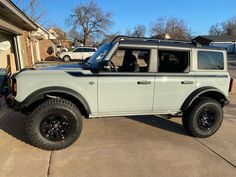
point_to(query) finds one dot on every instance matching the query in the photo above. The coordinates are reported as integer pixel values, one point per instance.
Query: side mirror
(86, 59)
(104, 66)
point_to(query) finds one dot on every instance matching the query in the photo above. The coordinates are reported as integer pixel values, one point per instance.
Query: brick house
(61, 37)
(42, 41)
(15, 37)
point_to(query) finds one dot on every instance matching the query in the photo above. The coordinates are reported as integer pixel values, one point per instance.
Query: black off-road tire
(192, 118)
(37, 117)
(185, 118)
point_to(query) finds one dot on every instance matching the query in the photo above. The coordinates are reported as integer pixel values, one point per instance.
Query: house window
(171, 61)
(210, 60)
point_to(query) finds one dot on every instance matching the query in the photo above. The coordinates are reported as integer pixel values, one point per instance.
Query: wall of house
(22, 51)
(28, 49)
(43, 47)
(65, 43)
(229, 46)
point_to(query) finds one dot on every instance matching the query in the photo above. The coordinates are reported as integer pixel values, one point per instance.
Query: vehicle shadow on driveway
(161, 123)
(14, 124)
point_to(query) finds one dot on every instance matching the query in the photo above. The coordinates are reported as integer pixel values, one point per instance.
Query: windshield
(99, 55)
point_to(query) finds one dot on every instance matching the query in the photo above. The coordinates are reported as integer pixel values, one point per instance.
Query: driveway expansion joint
(49, 164)
(220, 156)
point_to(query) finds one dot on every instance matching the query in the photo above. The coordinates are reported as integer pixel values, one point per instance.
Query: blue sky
(199, 15)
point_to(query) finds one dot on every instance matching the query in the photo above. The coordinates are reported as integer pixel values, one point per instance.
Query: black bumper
(13, 104)
(226, 102)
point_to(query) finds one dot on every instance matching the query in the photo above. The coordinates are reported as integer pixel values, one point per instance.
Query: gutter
(10, 5)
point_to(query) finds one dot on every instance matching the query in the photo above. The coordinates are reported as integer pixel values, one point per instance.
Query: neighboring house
(42, 41)
(15, 37)
(61, 37)
(227, 42)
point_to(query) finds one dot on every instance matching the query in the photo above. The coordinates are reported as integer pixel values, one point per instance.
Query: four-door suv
(127, 76)
(79, 53)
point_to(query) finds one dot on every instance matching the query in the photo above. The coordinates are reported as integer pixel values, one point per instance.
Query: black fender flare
(200, 91)
(40, 94)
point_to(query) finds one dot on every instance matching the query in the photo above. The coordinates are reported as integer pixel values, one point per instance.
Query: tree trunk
(85, 39)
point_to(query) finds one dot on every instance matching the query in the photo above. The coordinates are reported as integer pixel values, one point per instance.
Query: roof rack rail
(123, 37)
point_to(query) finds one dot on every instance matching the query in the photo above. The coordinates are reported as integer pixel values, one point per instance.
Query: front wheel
(54, 125)
(66, 58)
(204, 118)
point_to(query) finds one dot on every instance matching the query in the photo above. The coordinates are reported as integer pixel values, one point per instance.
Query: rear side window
(85, 50)
(91, 50)
(210, 60)
(173, 61)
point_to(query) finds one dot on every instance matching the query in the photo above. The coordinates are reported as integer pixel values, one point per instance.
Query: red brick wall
(65, 43)
(27, 42)
(43, 47)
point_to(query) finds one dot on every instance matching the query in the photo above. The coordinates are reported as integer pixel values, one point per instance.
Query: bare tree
(139, 31)
(215, 30)
(128, 32)
(91, 20)
(172, 27)
(33, 9)
(229, 26)
(73, 35)
(108, 37)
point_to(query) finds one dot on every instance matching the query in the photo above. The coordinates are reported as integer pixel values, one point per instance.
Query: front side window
(78, 50)
(173, 61)
(131, 60)
(210, 60)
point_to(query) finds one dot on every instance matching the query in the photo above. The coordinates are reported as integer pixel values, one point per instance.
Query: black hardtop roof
(161, 42)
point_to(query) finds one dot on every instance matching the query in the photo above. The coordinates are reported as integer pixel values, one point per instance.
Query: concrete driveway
(139, 146)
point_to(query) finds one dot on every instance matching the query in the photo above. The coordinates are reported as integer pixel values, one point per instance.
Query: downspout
(20, 52)
(17, 58)
(31, 48)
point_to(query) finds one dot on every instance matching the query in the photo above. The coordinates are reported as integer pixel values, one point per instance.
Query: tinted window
(131, 60)
(78, 50)
(91, 50)
(85, 50)
(173, 61)
(210, 60)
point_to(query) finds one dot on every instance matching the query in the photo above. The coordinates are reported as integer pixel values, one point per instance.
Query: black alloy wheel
(55, 127)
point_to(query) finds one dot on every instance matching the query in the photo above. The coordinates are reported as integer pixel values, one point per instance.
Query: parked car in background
(79, 53)
(61, 49)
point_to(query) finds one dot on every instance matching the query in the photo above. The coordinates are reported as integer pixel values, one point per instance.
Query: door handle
(186, 82)
(144, 82)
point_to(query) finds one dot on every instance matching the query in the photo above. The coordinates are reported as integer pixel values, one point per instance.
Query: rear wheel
(204, 118)
(54, 125)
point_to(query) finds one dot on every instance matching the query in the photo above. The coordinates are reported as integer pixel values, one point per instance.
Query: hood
(70, 66)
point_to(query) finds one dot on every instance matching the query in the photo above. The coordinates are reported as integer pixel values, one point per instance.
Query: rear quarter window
(92, 50)
(210, 60)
